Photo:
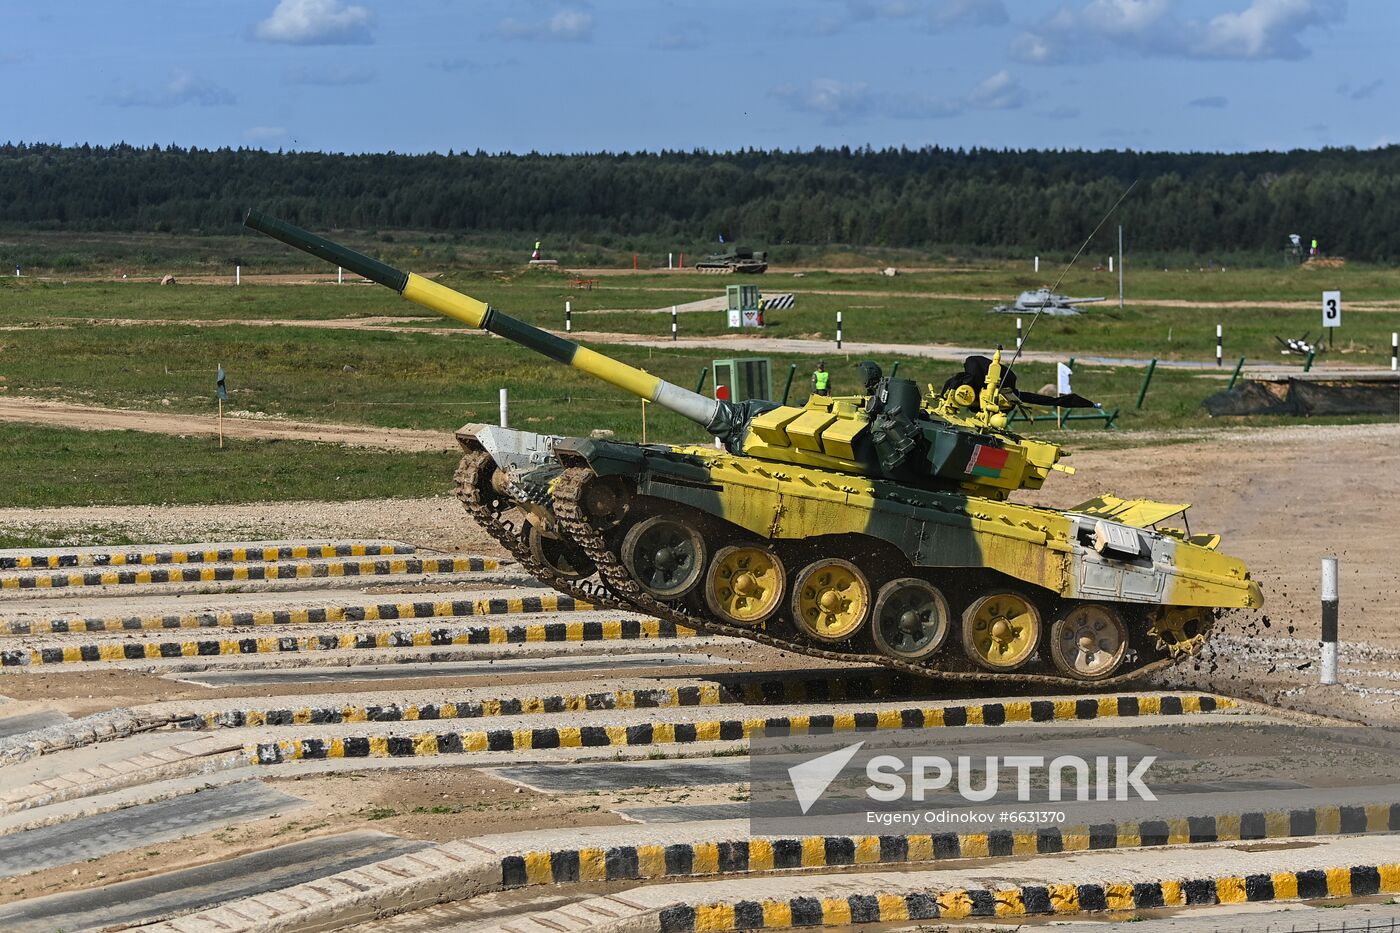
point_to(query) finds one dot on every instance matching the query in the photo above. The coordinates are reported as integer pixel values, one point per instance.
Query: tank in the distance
(876, 528)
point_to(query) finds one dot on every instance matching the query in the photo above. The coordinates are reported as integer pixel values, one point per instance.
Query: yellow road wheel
(745, 584)
(910, 619)
(565, 559)
(831, 599)
(1089, 641)
(1001, 630)
(664, 555)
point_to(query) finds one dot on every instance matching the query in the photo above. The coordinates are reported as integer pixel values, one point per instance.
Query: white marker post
(670, 261)
(1037, 264)
(1120, 265)
(1018, 333)
(1219, 345)
(237, 275)
(1329, 620)
(838, 330)
(339, 275)
(505, 409)
(1110, 264)
(673, 322)
(1331, 314)
(1394, 351)
(568, 317)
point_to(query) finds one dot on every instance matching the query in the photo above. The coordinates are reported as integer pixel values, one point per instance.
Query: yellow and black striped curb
(1031, 900)
(332, 614)
(742, 856)
(790, 690)
(198, 555)
(846, 687)
(319, 570)
(728, 730)
(520, 634)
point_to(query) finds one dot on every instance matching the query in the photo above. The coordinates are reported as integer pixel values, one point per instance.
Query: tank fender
(604, 457)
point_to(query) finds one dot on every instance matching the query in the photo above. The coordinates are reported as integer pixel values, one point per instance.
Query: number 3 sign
(1331, 309)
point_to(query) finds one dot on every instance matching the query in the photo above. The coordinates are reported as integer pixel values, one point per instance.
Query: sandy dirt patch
(93, 418)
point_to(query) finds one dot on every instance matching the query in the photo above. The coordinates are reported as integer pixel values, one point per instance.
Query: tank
(875, 528)
(735, 259)
(1044, 301)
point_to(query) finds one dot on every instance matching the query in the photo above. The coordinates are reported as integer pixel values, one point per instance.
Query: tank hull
(964, 547)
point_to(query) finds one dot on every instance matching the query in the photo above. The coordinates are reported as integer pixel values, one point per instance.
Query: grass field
(55, 344)
(874, 308)
(57, 467)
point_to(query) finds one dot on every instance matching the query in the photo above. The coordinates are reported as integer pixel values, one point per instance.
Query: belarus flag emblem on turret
(987, 461)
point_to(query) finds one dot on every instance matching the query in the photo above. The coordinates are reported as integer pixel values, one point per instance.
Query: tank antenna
(1054, 288)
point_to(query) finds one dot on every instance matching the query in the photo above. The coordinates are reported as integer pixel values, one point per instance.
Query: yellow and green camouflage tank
(872, 528)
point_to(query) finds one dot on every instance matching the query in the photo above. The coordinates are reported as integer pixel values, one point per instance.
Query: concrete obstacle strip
(518, 634)
(236, 554)
(846, 687)
(318, 570)
(331, 614)
(727, 730)
(842, 688)
(468, 868)
(641, 862)
(1031, 900)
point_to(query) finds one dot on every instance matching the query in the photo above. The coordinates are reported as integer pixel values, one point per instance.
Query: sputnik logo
(811, 778)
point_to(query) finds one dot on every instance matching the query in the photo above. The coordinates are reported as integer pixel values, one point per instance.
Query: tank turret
(955, 438)
(873, 528)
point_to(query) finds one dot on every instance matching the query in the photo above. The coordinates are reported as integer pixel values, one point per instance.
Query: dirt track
(91, 418)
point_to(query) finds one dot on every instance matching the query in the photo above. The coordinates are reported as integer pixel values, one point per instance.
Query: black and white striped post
(568, 317)
(838, 330)
(673, 322)
(1329, 620)
(1219, 345)
(1018, 334)
(1394, 351)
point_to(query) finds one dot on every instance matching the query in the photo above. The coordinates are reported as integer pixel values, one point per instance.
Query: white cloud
(184, 87)
(835, 101)
(563, 26)
(332, 76)
(845, 102)
(1263, 29)
(999, 92)
(316, 22)
(1267, 28)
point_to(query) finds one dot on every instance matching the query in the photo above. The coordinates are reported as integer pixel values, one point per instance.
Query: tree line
(1199, 203)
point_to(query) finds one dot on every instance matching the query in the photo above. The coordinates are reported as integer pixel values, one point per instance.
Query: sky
(614, 75)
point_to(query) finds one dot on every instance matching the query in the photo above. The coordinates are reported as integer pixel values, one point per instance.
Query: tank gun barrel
(712, 414)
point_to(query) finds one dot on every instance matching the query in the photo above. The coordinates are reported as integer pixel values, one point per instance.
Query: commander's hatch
(1139, 513)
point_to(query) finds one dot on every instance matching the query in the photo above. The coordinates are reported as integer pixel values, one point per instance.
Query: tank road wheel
(910, 619)
(567, 560)
(831, 599)
(1088, 641)
(1001, 630)
(1181, 630)
(664, 556)
(745, 584)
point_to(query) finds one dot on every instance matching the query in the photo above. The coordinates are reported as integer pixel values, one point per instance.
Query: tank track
(488, 514)
(568, 510)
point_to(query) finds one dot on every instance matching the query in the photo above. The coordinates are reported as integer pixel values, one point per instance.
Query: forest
(996, 200)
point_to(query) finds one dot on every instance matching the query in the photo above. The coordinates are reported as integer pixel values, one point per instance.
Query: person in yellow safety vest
(821, 380)
(536, 253)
